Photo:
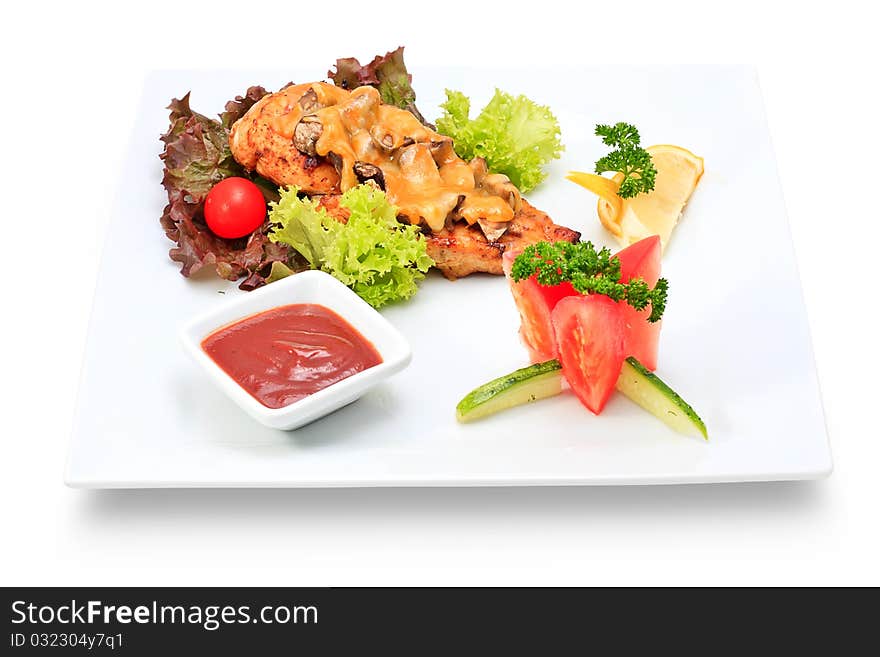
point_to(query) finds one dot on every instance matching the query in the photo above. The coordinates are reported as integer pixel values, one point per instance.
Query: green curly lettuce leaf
(303, 225)
(516, 136)
(379, 258)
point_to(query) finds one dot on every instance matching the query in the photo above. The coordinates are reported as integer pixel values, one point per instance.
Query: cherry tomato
(234, 207)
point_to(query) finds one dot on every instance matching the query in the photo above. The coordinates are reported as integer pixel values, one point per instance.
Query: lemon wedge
(655, 213)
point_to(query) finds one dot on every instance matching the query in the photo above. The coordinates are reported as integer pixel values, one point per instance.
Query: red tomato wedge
(641, 260)
(590, 334)
(535, 303)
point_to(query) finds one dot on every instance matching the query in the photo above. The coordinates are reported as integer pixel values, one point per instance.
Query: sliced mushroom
(388, 140)
(306, 134)
(335, 160)
(493, 230)
(369, 172)
(443, 152)
(478, 166)
(498, 184)
(309, 101)
(455, 213)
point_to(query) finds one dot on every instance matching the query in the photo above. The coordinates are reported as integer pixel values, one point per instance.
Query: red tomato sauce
(287, 353)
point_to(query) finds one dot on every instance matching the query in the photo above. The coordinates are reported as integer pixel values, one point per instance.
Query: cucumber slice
(523, 386)
(543, 380)
(648, 391)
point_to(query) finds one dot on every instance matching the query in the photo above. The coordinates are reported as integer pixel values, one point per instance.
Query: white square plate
(735, 339)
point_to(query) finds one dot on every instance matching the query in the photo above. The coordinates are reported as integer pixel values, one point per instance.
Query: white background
(71, 77)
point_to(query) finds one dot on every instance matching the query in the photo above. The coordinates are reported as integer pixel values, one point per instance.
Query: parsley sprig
(630, 159)
(590, 272)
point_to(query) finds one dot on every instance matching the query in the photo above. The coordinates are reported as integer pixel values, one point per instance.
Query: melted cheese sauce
(423, 176)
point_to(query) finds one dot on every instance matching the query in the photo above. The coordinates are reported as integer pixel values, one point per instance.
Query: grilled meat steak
(325, 140)
(463, 250)
(258, 145)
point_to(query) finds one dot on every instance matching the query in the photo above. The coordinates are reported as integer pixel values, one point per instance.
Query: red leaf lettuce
(386, 72)
(197, 157)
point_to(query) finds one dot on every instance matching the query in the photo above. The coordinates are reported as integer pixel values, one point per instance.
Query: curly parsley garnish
(590, 272)
(630, 159)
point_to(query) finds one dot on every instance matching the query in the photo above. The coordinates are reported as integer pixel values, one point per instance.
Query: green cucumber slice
(523, 386)
(648, 391)
(543, 380)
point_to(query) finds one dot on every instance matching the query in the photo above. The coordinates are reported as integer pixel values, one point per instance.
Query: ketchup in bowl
(290, 352)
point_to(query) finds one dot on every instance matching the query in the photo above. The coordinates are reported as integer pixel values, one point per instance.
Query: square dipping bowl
(306, 287)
